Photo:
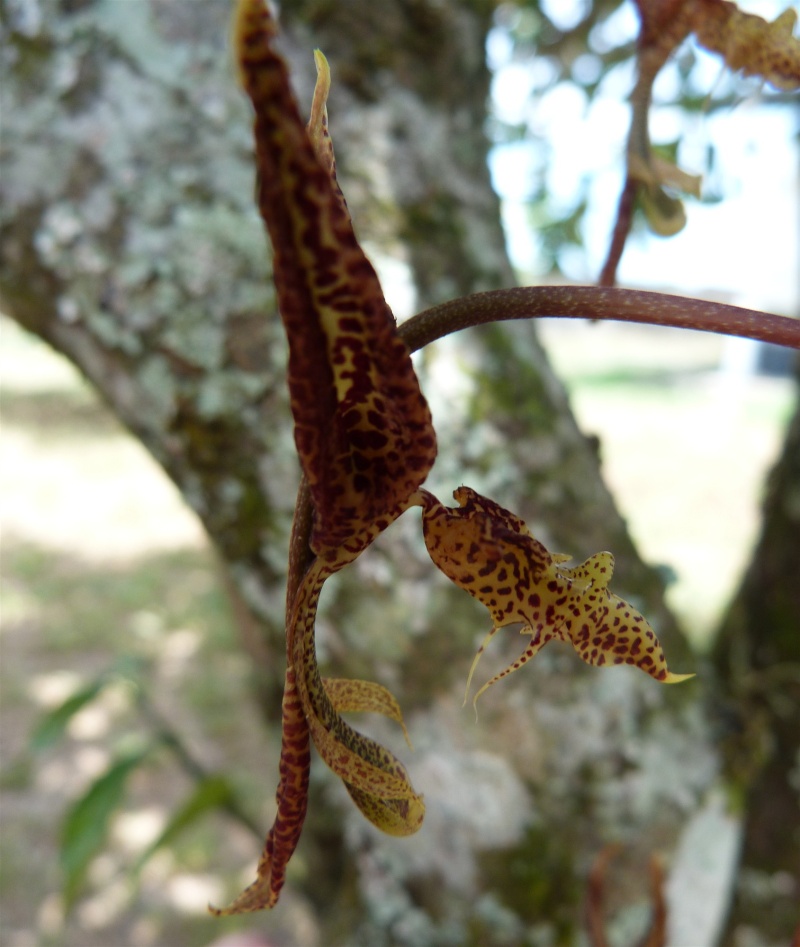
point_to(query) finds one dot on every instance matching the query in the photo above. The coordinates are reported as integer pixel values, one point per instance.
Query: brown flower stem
(619, 236)
(300, 554)
(638, 144)
(598, 303)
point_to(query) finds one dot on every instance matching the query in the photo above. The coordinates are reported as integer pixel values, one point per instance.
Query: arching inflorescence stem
(597, 303)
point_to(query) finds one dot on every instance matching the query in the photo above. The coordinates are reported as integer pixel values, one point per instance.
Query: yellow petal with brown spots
(349, 696)
(751, 44)
(398, 817)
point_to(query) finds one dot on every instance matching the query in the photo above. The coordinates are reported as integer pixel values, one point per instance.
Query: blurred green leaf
(131, 667)
(213, 792)
(85, 827)
(50, 728)
(52, 725)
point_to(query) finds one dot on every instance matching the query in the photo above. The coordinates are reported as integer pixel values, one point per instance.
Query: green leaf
(52, 725)
(213, 792)
(85, 827)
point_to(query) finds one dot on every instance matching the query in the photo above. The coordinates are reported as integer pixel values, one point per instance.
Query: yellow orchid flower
(491, 553)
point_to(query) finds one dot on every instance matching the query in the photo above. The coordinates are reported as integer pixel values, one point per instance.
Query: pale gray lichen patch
(157, 379)
(59, 228)
(474, 801)
(105, 326)
(638, 766)
(193, 339)
(25, 17)
(131, 26)
(225, 393)
(230, 490)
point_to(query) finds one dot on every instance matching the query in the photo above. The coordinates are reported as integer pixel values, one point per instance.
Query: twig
(599, 303)
(619, 236)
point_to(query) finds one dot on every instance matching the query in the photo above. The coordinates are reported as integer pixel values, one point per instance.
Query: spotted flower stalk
(366, 443)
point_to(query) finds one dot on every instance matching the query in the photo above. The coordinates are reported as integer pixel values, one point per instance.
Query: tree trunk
(130, 243)
(758, 655)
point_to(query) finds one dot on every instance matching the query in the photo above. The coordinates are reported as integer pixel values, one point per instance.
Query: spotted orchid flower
(491, 553)
(362, 429)
(366, 443)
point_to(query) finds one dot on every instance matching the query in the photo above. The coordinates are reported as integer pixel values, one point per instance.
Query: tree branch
(597, 303)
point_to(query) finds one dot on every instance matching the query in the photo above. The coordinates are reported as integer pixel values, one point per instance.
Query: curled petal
(398, 817)
(665, 214)
(349, 696)
(375, 778)
(394, 816)
(655, 170)
(317, 127)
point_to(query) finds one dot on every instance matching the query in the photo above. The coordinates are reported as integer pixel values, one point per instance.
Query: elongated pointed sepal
(292, 799)
(362, 427)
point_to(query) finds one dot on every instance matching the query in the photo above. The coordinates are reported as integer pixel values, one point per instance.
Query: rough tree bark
(129, 241)
(758, 655)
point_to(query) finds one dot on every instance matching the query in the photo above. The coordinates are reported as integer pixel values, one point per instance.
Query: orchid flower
(491, 553)
(362, 429)
(366, 443)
